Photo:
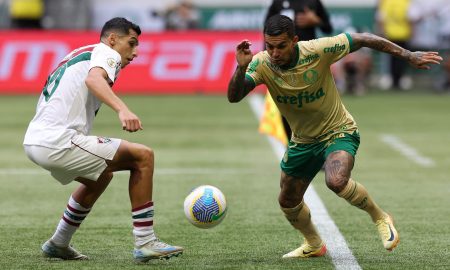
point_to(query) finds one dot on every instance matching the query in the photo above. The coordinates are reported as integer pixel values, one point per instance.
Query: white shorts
(86, 157)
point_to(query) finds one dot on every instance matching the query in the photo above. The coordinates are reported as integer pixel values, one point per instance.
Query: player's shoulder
(323, 43)
(260, 55)
(102, 48)
(259, 58)
(256, 62)
(102, 51)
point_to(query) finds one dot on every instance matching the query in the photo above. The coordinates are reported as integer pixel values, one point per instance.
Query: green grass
(194, 133)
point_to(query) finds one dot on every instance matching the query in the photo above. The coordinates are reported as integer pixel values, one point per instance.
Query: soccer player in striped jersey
(300, 82)
(58, 139)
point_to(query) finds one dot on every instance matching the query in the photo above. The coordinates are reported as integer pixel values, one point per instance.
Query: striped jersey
(305, 92)
(66, 107)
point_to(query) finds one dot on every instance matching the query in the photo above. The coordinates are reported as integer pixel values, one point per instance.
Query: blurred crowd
(417, 25)
(413, 24)
(77, 14)
(409, 23)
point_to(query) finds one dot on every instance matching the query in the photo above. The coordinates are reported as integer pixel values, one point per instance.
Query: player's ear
(295, 39)
(112, 39)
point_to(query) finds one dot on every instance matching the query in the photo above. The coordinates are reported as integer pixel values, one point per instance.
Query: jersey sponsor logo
(308, 59)
(335, 48)
(302, 98)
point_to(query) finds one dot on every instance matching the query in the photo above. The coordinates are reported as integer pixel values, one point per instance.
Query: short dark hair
(279, 24)
(121, 25)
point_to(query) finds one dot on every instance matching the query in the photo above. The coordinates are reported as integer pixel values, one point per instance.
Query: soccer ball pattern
(205, 206)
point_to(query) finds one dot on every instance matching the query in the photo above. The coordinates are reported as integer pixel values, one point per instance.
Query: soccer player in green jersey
(299, 80)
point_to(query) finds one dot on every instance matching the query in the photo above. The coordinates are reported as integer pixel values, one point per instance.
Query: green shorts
(306, 160)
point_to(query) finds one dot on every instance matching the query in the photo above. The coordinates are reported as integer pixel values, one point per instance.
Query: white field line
(408, 151)
(338, 250)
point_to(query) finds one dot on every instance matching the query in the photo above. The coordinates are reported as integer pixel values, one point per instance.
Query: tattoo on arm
(380, 44)
(238, 87)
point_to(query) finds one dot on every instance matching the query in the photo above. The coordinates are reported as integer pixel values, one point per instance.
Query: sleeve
(325, 25)
(253, 73)
(108, 59)
(331, 49)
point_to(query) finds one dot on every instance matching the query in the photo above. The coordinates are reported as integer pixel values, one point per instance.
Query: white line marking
(338, 250)
(406, 150)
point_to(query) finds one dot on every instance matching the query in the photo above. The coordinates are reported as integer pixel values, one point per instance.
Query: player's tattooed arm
(420, 60)
(239, 86)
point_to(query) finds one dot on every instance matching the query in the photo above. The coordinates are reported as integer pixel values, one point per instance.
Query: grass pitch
(204, 140)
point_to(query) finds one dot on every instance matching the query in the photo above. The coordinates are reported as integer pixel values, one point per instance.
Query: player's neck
(294, 59)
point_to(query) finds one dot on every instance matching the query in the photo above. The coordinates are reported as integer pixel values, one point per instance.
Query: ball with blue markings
(205, 206)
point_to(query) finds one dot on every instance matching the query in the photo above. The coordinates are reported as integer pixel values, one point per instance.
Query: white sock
(143, 224)
(70, 221)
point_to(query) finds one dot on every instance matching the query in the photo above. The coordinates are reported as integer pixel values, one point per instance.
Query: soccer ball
(205, 206)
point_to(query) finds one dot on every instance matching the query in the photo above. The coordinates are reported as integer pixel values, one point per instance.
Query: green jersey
(305, 92)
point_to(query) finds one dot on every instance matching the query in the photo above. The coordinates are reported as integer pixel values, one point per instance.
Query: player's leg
(66, 165)
(139, 160)
(338, 167)
(299, 215)
(300, 164)
(77, 209)
(84, 162)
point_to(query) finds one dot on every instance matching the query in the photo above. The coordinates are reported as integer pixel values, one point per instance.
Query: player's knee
(108, 176)
(336, 183)
(146, 156)
(291, 190)
(289, 200)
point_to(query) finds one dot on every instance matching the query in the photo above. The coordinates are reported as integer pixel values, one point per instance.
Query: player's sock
(143, 224)
(357, 195)
(69, 223)
(300, 218)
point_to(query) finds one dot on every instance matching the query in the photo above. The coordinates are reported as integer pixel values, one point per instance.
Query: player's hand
(243, 53)
(307, 18)
(130, 122)
(421, 60)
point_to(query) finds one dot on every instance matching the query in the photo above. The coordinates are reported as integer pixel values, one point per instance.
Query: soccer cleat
(306, 251)
(156, 249)
(388, 233)
(50, 250)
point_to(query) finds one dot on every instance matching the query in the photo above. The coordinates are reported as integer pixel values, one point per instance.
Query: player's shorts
(86, 157)
(305, 160)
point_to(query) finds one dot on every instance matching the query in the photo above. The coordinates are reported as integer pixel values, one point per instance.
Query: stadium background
(178, 85)
(174, 62)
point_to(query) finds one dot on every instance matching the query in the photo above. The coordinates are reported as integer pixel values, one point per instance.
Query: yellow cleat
(388, 233)
(306, 251)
